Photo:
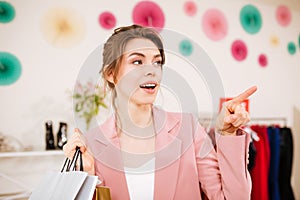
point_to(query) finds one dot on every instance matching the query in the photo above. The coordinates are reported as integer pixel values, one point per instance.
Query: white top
(140, 181)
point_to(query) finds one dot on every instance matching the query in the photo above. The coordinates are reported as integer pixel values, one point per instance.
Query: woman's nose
(149, 70)
(150, 74)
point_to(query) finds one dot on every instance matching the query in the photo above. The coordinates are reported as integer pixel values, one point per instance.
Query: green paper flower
(7, 12)
(186, 47)
(10, 68)
(250, 19)
(299, 41)
(291, 48)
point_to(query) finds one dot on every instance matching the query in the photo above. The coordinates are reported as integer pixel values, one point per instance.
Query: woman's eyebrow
(157, 56)
(136, 54)
(142, 55)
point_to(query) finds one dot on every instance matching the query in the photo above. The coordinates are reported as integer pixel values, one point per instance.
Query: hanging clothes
(252, 149)
(273, 181)
(286, 162)
(260, 171)
(252, 155)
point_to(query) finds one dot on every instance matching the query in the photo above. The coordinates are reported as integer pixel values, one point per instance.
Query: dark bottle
(49, 136)
(62, 135)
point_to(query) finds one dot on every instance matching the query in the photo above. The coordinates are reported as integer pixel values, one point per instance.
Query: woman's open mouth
(149, 87)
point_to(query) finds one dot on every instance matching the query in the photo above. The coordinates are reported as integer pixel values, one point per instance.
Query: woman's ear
(109, 76)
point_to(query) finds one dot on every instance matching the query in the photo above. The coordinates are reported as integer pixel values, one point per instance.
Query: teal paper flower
(291, 48)
(7, 12)
(250, 19)
(186, 47)
(299, 40)
(10, 68)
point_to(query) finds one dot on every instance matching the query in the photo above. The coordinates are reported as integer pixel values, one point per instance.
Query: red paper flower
(283, 15)
(263, 60)
(190, 8)
(107, 20)
(214, 24)
(148, 13)
(239, 50)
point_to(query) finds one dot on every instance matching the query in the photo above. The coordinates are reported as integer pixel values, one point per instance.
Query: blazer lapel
(110, 156)
(167, 156)
(107, 144)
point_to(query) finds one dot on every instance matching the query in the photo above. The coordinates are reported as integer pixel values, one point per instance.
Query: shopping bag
(102, 193)
(87, 190)
(68, 184)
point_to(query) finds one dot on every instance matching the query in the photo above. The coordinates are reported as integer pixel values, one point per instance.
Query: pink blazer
(186, 162)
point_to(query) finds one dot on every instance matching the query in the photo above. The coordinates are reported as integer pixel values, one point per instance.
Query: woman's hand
(233, 115)
(69, 149)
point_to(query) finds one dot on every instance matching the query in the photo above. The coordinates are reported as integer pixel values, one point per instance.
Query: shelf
(31, 153)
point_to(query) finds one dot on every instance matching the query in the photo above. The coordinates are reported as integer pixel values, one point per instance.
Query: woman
(142, 152)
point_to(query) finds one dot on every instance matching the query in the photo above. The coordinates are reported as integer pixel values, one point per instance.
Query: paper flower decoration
(262, 60)
(7, 12)
(185, 47)
(274, 40)
(148, 13)
(190, 8)
(250, 19)
(214, 24)
(299, 40)
(63, 27)
(283, 15)
(107, 20)
(10, 68)
(239, 50)
(291, 48)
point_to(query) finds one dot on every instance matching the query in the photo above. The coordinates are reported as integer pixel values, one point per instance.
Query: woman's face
(140, 72)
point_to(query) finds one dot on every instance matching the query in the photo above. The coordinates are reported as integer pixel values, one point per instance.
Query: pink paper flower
(262, 60)
(107, 20)
(283, 15)
(190, 8)
(214, 24)
(148, 13)
(239, 50)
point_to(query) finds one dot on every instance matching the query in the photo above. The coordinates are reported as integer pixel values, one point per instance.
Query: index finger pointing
(241, 97)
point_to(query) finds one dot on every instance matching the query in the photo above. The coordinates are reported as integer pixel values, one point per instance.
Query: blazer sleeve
(222, 170)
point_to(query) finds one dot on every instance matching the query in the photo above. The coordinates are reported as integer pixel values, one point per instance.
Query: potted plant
(87, 100)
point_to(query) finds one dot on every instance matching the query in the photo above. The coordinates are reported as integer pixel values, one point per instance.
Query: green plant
(87, 99)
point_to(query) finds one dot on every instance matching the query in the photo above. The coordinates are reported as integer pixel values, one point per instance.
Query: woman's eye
(137, 62)
(158, 63)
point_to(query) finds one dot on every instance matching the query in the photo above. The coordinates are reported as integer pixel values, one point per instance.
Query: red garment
(260, 172)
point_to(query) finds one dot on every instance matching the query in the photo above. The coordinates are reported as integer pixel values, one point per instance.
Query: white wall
(48, 71)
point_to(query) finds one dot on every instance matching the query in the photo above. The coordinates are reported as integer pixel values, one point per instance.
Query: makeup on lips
(149, 87)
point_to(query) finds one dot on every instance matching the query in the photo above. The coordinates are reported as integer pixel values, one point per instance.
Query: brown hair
(115, 46)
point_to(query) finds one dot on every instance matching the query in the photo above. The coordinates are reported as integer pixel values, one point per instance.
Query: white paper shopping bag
(59, 185)
(68, 184)
(87, 190)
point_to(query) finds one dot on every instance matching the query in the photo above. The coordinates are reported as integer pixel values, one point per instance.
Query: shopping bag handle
(70, 165)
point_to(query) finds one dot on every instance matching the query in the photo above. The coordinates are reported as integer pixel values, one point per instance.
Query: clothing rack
(283, 120)
(269, 119)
